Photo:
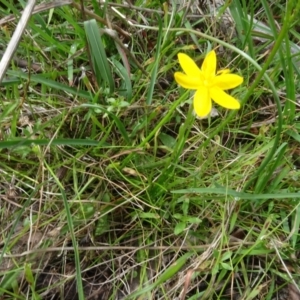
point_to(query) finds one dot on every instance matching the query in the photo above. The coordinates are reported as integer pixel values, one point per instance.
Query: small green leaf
(174, 268)
(180, 227)
(28, 274)
(167, 140)
(226, 255)
(148, 215)
(192, 220)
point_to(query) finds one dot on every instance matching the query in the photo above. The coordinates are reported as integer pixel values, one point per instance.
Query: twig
(23, 63)
(37, 9)
(13, 44)
(101, 20)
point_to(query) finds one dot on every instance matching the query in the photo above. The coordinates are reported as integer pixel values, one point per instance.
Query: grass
(111, 188)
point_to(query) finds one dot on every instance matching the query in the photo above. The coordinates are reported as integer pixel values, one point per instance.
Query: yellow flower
(208, 83)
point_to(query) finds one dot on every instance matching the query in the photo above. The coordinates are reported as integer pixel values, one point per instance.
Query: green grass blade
(17, 219)
(285, 62)
(72, 233)
(290, 104)
(118, 122)
(98, 55)
(55, 142)
(263, 180)
(155, 64)
(126, 87)
(50, 83)
(243, 24)
(238, 195)
(168, 273)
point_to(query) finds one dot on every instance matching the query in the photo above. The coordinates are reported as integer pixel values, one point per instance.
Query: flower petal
(189, 66)
(209, 65)
(223, 99)
(227, 81)
(224, 71)
(191, 83)
(202, 102)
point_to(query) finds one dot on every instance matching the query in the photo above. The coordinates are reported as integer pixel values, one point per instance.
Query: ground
(111, 187)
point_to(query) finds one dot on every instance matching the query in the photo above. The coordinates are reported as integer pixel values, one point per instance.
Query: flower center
(206, 82)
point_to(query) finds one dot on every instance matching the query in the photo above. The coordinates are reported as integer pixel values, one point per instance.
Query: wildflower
(208, 84)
